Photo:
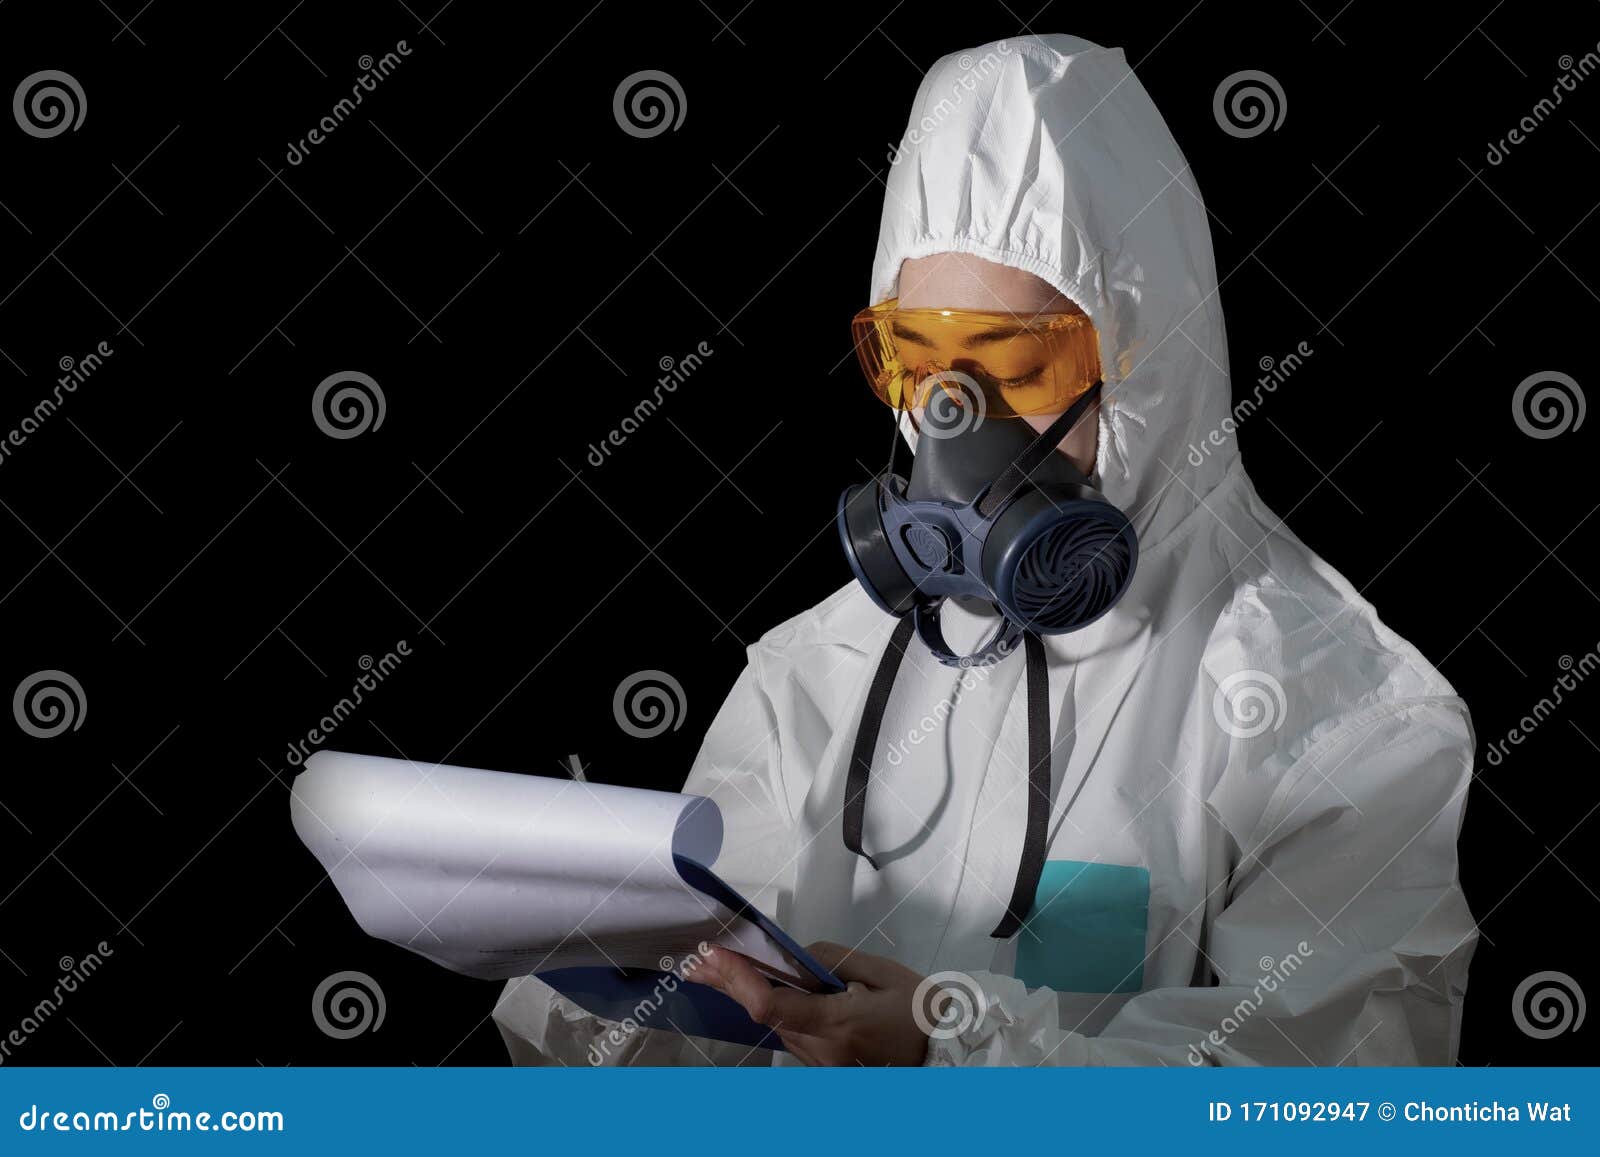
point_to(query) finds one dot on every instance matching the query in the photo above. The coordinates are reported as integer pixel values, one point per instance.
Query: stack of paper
(594, 888)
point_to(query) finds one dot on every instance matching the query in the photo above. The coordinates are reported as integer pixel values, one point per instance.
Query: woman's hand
(870, 1023)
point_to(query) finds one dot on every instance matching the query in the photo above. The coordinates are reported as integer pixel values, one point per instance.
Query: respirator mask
(990, 511)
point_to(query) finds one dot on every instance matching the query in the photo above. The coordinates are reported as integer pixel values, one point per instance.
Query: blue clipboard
(659, 1000)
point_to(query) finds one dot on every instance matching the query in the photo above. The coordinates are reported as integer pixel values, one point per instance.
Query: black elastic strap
(1035, 837)
(1037, 833)
(855, 787)
(1038, 451)
(894, 443)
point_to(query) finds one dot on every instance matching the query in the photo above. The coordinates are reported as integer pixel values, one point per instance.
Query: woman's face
(961, 281)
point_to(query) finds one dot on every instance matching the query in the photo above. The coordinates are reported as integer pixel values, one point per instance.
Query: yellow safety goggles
(1019, 365)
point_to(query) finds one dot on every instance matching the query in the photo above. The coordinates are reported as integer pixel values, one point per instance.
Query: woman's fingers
(808, 1050)
(778, 1007)
(852, 964)
(733, 975)
(871, 1022)
(828, 954)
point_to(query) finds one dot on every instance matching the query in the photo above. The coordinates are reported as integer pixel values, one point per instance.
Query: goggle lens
(1009, 366)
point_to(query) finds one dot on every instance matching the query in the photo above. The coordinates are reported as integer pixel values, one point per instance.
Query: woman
(1255, 787)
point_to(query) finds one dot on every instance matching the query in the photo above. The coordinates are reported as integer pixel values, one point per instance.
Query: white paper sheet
(496, 875)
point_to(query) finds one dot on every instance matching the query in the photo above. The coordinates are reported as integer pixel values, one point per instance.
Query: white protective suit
(1257, 785)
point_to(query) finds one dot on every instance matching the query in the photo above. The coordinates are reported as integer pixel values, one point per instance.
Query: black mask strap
(1017, 474)
(1036, 835)
(855, 786)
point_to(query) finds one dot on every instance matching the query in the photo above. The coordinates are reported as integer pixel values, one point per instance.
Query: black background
(484, 240)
